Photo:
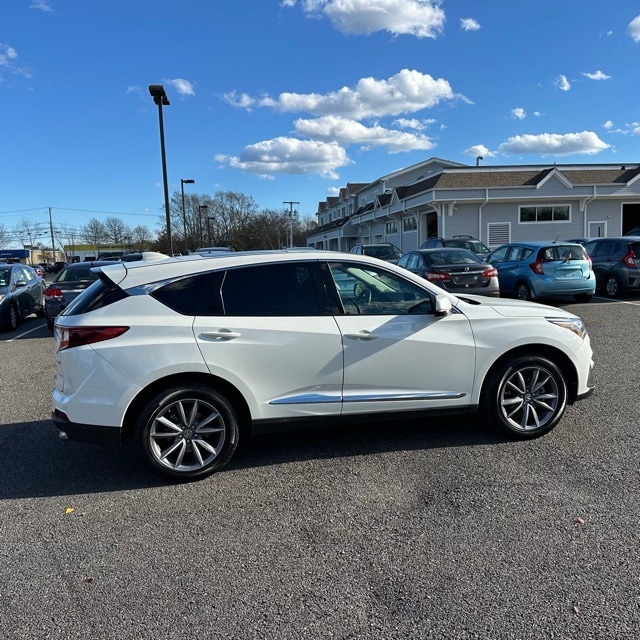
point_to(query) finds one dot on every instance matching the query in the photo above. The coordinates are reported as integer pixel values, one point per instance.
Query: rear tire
(524, 397)
(186, 433)
(523, 291)
(612, 286)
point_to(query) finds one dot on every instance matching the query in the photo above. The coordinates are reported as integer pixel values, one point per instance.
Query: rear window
(564, 252)
(98, 295)
(194, 295)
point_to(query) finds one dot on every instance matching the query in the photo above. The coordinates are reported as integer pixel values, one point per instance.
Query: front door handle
(361, 335)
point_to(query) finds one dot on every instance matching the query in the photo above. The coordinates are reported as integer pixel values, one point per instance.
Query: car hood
(510, 308)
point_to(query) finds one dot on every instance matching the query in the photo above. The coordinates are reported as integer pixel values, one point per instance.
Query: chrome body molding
(317, 398)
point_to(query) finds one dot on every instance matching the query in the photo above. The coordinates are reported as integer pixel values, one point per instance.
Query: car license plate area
(466, 279)
(563, 274)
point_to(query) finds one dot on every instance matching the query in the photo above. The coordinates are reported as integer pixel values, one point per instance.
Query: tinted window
(499, 255)
(287, 289)
(194, 295)
(605, 248)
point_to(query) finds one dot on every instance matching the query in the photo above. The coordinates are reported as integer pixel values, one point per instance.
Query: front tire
(525, 397)
(186, 433)
(12, 320)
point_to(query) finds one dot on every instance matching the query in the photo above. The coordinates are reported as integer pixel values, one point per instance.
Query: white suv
(188, 354)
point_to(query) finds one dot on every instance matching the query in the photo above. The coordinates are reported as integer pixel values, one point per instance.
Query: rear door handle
(219, 334)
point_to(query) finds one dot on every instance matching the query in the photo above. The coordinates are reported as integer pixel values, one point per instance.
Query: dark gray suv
(616, 263)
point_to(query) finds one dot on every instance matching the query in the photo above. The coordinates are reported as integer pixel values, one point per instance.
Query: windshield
(75, 275)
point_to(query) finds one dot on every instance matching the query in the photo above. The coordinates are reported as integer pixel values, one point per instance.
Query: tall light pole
(184, 215)
(290, 203)
(160, 98)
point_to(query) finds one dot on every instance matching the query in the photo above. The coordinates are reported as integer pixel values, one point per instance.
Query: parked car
(58, 266)
(458, 271)
(381, 250)
(21, 294)
(633, 232)
(39, 269)
(616, 263)
(541, 269)
(72, 280)
(462, 242)
(188, 355)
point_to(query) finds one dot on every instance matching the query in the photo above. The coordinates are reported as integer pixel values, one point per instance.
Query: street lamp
(184, 215)
(160, 98)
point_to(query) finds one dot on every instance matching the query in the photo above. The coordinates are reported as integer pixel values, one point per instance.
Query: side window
(605, 248)
(194, 295)
(27, 274)
(286, 289)
(414, 261)
(366, 290)
(499, 255)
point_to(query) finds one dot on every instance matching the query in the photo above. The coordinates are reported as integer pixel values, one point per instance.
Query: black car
(381, 250)
(21, 294)
(616, 263)
(459, 242)
(68, 284)
(458, 271)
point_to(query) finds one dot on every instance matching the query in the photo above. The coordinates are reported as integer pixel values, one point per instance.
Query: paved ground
(391, 531)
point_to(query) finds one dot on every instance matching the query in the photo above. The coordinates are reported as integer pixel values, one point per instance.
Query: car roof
(444, 250)
(90, 263)
(157, 267)
(539, 243)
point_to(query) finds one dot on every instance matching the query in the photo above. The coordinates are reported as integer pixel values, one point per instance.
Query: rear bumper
(95, 434)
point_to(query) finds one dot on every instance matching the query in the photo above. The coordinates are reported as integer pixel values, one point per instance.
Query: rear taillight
(490, 273)
(536, 266)
(629, 260)
(70, 337)
(52, 292)
(436, 277)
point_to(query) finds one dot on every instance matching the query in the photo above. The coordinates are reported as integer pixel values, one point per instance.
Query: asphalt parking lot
(436, 530)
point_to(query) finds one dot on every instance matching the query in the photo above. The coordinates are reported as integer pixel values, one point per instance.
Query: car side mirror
(21, 283)
(443, 306)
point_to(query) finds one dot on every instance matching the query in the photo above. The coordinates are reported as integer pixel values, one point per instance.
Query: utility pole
(53, 246)
(290, 203)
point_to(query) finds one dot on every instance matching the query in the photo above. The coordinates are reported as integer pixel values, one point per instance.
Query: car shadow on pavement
(38, 464)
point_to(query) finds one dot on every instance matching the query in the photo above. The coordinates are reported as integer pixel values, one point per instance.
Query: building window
(343, 211)
(546, 213)
(330, 217)
(350, 208)
(391, 228)
(409, 224)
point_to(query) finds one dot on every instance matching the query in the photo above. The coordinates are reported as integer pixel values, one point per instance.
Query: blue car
(530, 270)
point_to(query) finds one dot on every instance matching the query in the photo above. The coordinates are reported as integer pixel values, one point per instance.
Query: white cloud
(183, 87)
(406, 92)
(9, 62)
(242, 100)
(633, 28)
(479, 150)
(414, 123)
(469, 24)
(346, 132)
(518, 113)
(597, 75)
(608, 124)
(537, 114)
(41, 5)
(419, 18)
(585, 142)
(562, 83)
(289, 155)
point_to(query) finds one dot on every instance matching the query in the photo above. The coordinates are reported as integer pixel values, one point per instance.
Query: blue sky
(290, 100)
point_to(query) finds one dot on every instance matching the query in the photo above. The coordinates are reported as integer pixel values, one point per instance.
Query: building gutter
(486, 200)
(583, 207)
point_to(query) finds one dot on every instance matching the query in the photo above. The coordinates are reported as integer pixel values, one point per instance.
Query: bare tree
(4, 237)
(115, 231)
(27, 229)
(141, 237)
(93, 233)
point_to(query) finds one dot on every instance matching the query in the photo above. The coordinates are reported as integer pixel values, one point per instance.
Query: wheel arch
(223, 386)
(558, 357)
